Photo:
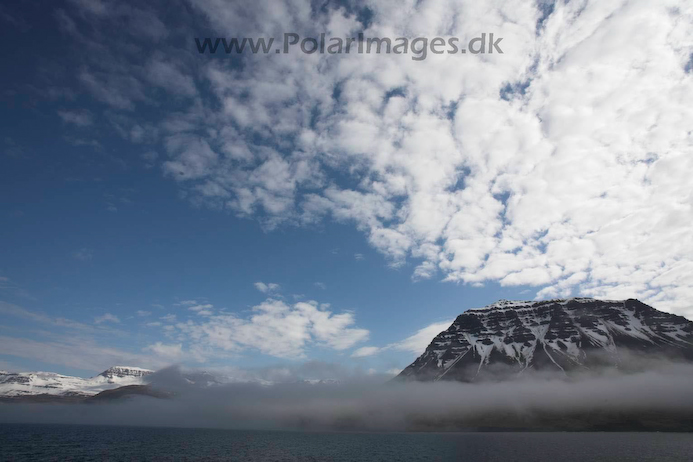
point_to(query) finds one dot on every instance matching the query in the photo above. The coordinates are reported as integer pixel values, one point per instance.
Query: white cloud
(108, 317)
(415, 343)
(169, 352)
(563, 164)
(266, 288)
(274, 328)
(365, 351)
(143, 313)
(418, 342)
(202, 310)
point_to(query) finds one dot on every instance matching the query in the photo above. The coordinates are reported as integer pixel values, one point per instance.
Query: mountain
(510, 338)
(117, 373)
(17, 384)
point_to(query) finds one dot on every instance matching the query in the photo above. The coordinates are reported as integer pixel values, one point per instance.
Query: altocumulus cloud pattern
(563, 163)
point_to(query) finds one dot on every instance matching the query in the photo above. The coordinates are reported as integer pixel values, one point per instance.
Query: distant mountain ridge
(119, 372)
(116, 382)
(511, 338)
(16, 384)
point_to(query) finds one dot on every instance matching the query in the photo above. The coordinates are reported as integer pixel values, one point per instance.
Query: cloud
(320, 285)
(660, 398)
(143, 313)
(266, 288)
(170, 352)
(359, 256)
(418, 342)
(108, 317)
(415, 343)
(274, 328)
(81, 118)
(202, 310)
(11, 286)
(365, 351)
(58, 322)
(167, 75)
(563, 163)
(73, 351)
(83, 254)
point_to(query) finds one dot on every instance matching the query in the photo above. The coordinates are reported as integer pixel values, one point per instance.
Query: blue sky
(161, 206)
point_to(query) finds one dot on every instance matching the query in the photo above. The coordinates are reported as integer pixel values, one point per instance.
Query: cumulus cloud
(365, 351)
(265, 288)
(108, 317)
(169, 352)
(563, 163)
(202, 310)
(274, 328)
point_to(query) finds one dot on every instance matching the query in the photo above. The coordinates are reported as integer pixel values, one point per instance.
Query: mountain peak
(49, 383)
(564, 335)
(125, 371)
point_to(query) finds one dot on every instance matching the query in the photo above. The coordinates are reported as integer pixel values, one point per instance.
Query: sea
(109, 443)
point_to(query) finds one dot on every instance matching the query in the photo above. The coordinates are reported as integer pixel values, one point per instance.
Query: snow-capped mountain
(117, 373)
(513, 337)
(49, 383)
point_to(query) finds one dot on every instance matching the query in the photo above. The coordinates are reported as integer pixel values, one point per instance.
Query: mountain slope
(49, 383)
(510, 338)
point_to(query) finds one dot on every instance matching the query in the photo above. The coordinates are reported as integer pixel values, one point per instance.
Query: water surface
(92, 443)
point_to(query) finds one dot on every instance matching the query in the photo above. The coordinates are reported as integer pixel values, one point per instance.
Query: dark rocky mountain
(120, 372)
(509, 339)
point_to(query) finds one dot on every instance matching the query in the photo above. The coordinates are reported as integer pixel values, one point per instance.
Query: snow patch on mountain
(50, 383)
(552, 335)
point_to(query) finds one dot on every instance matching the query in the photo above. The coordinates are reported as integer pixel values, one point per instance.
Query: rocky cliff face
(563, 336)
(120, 372)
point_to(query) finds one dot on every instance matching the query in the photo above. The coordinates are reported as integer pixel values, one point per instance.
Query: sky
(162, 206)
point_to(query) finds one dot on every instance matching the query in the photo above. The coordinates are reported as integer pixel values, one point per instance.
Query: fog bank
(371, 406)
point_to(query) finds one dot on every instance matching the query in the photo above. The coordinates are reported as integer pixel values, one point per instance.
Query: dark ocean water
(62, 443)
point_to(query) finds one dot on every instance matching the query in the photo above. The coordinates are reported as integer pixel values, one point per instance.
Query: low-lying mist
(368, 404)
